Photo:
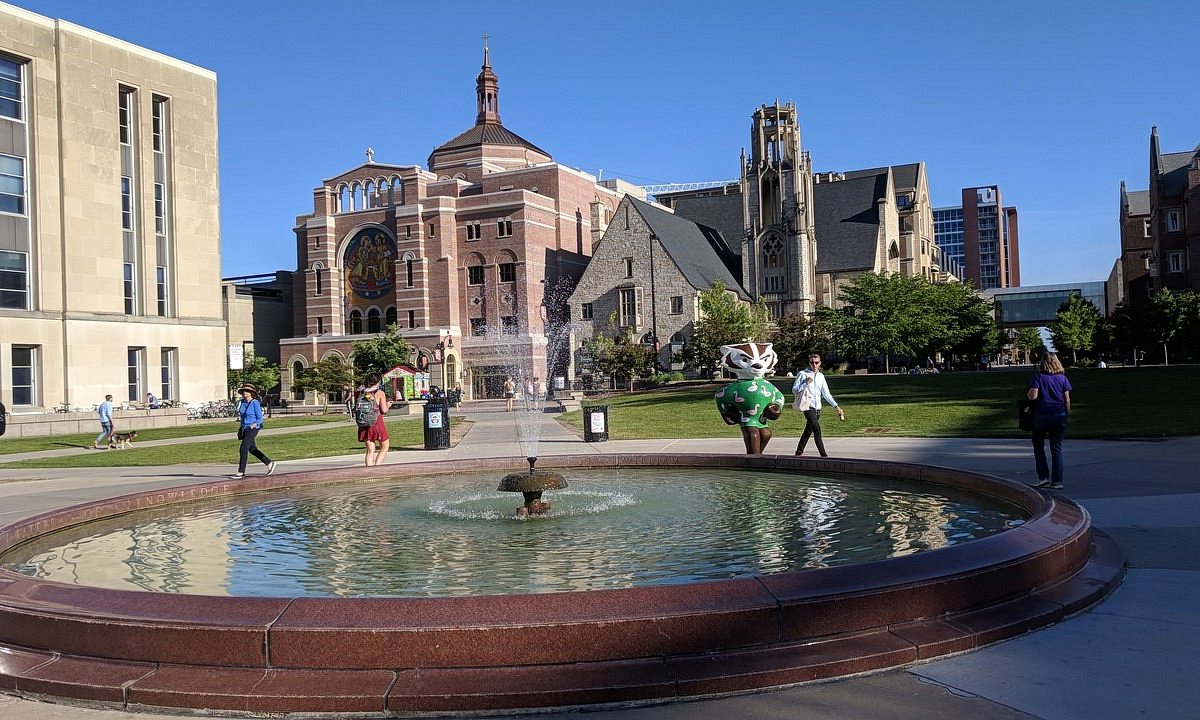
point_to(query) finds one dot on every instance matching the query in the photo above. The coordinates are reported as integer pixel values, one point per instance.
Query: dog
(121, 440)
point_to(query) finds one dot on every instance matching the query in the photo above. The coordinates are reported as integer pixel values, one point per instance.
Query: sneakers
(1056, 486)
(1044, 482)
(270, 467)
(237, 476)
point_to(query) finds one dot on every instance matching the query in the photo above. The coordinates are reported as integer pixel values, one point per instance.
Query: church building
(471, 258)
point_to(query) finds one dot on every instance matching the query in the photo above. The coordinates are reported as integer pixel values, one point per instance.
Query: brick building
(472, 258)
(980, 236)
(1132, 273)
(1174, 216)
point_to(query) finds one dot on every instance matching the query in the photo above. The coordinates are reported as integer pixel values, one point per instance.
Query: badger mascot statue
(750, 401)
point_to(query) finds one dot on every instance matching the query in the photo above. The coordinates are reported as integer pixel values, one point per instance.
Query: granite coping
(792, 626)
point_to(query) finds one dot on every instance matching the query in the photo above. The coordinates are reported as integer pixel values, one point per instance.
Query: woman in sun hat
(250, 418)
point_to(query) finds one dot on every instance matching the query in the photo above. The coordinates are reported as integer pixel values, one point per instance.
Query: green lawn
(340, 440)
(9, 445)
(1110, 403)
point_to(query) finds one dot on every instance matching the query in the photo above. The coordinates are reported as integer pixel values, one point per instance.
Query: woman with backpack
(369, 411)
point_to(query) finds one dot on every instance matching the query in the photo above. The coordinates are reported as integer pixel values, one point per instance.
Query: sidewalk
(1131, 656)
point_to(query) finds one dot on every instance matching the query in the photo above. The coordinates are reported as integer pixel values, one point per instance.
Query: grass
(1110, 403)
(405, 434)
(9, 446)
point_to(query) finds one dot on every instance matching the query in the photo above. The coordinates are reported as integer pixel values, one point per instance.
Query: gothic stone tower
(779, 248)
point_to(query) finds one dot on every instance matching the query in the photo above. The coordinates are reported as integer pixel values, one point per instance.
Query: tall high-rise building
(981, 237)
(110, 254)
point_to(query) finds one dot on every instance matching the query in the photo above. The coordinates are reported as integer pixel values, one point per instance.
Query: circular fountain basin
(416, 655)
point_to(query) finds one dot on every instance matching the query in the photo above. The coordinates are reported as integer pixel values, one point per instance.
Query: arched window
(357, 200)
(772, 253)
(397, 191)
(773, 261)
(343, 204)
(373, 321)
(369, 190)
(390, 316)
(355, 322)
(678, 338)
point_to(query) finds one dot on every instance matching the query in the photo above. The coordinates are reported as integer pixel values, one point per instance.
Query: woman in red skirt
(377, 431)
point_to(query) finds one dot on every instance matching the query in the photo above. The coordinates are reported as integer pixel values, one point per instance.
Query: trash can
(437, 424)
(595, 423)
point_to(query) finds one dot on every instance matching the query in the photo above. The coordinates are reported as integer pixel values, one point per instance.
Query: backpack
(366, 410)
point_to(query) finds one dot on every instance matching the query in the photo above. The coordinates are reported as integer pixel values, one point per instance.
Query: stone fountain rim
(873, 615)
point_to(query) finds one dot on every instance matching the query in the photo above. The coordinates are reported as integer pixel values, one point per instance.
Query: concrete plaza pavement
(1130, 656)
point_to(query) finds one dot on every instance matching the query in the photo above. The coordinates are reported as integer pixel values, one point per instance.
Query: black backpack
(366, 410)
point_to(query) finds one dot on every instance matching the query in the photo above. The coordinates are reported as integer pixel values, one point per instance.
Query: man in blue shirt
(106, 424)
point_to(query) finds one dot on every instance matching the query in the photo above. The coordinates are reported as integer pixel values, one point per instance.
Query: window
(1175, 262)
(24, 374)
(373, 317)
(167, 363)
(160, 287)
(160, 209)
(508, 272)
(14, 280)
(508, 325)
(355, 322)
(585, 311)
(676, 304)
(478, 327)
(473, 231)
(1172, 221)
(504, 227)
(475, 275)
(125, 116)
(319, 281)
(1146, 227)
(904, 200)
(158, 118)
(126, 202)
(320, 326)
(629, 310)
(12, 184)
(10, 88)
(136, 372)
(412, 318)
(389, 317)
(130, 289)
(628, 267)
(432, 227)
(408, 271)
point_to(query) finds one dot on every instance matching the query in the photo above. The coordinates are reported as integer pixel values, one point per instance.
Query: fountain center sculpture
(531, 485)
(750, 401)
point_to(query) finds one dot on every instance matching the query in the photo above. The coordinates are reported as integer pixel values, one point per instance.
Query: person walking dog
(250, 418)
(106, 424)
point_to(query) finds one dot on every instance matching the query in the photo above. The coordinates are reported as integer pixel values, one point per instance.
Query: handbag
(241, 432)
(1025, 414)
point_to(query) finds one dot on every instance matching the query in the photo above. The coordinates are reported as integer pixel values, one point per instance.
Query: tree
(795, 337)
(1029, 342)
(724, 320)
(1165, 319)
(330, 375)
(258, 371)
(1074, 329)
(614, 353)
(381, 353)
(882, 314)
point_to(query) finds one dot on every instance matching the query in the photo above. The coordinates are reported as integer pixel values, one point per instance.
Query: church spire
(487, 91)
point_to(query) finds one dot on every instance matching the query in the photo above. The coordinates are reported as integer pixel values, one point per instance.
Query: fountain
(531, 485)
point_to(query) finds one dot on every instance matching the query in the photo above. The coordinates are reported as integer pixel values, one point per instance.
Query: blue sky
(1052, 101)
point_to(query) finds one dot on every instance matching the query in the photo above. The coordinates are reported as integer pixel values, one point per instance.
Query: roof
(1139, 201)
(723, 212)
(1174, 169)
(695, 249)
(847, 221)
(488, 133)
(903, 176)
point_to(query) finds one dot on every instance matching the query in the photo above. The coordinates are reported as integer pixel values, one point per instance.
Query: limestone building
(472, 258)
(645, 278)
(109, 224)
